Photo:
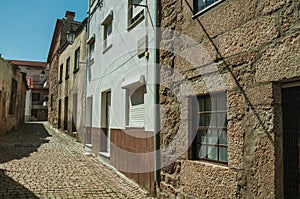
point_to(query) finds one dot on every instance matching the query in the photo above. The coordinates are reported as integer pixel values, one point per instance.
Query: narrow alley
(38, 161)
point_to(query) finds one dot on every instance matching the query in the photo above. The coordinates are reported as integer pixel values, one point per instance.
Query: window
(135, 11)
(68, 68)
(202, 4)
(61, 68)
(91, 49)
(108, 28)
(210, 142)
(13, 96)
(77, 60)
(36, 97)
(51, 102)
(136, 107)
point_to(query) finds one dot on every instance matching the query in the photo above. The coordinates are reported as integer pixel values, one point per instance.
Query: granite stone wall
(255, 47)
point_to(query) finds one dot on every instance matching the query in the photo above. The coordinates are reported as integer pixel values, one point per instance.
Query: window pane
(202, 151)
(223, 138)
(213, 120)
(207, 104)
(221, 102)
(201, 105)
(201, 5)
(223, 154)
(207, 119)
(201, 138)
(202, 120)
(209, 2)
(212, 137)
(222, 120)
(212, 153)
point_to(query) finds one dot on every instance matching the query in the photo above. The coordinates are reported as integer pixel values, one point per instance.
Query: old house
(12, 96)
(58, 41)
(37, 95)
(71, 78)
(234, 113)
(120, 89)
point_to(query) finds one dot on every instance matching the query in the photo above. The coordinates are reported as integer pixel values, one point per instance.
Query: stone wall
(254, 45)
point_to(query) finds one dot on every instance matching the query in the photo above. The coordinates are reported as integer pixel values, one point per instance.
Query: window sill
(210, 163)
(199, 13)
(104, 154)
(135, 23)
(75, 70)
(89, 145)
(134, 127)
(107, 48)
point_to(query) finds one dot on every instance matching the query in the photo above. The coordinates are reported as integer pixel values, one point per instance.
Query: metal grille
(291, 128)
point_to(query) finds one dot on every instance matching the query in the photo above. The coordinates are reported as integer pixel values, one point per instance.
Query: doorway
(105, 134)
(291, 140)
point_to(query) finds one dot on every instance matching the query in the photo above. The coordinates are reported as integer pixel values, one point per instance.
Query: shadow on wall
(17, 145)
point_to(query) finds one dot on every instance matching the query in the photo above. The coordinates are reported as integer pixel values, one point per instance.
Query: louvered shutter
(137, 108)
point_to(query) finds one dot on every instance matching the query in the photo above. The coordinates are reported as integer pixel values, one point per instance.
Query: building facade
(71, 78)
(240, 63)
(12, 96)
(36, 97)
(58, 40)
(120, 89)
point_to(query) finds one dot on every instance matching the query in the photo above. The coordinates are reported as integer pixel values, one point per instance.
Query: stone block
(208, 180)
(279, 61)
(250, 36)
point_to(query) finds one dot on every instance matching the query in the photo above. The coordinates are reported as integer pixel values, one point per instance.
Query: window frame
(133, 20)
(61, 69)
(68, 63)
(107, 35)
(198, 12)
(76, 60)
(218, 129)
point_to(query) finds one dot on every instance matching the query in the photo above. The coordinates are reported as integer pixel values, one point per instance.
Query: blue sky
(27, 26)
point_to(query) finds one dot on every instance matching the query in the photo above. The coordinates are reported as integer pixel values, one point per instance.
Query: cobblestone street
(40, 162)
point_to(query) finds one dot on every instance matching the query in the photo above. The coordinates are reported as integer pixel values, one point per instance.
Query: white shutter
(137, 108)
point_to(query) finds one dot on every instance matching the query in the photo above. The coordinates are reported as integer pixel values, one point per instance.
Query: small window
(36, 97)
(137, 107)
(77, 60)
(200, 5)
(107, 33)
(91, 49)
(61, 68)
(68, 68)
(135, 11)
(210, 142)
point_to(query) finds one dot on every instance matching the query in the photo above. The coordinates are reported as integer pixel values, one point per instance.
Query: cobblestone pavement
(40, 162)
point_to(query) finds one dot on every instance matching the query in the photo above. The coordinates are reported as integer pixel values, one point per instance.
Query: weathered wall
(74, 84)
(255, 46)
(11, 121)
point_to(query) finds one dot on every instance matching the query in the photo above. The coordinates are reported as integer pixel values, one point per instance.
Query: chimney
(70, 15)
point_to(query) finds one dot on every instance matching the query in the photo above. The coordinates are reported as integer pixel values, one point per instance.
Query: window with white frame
(107, 32)
(91, 44)
(200, 5)
(137, 107)
(136, 11)
(210, 142)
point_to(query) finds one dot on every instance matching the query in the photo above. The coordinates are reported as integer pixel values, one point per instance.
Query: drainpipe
(86, 72)
(156, 101)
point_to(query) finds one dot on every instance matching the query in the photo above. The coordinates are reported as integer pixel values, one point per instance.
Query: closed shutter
(137, 108)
